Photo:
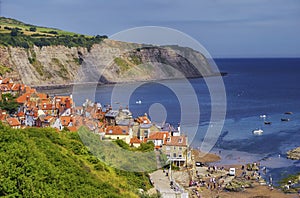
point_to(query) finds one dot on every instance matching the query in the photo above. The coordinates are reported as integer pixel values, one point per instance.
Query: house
(158, 138)
(144, 131)
(13, 123)
(111, 117)
(45, 121)
(66, 121)
(3, 115)
(119, 132)
(135, 142)
(143, 119)
(176, 149)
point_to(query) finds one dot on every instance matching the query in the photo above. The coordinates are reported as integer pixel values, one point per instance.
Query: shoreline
(72, 84)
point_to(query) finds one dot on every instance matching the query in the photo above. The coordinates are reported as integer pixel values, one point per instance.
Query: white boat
(257, 132)
(138, 102)
(263, 116)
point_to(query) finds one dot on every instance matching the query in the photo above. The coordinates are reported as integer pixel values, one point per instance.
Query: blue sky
(226, 28)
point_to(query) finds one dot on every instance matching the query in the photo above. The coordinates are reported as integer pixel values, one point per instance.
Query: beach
(213, 181)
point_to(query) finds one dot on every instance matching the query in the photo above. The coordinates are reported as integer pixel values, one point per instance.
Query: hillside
(38, 162)
(43, 56)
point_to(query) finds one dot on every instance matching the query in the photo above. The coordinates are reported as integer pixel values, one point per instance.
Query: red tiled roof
(117, 130)
(176, 141)
(13, 122)
(72, 128)
(21, 114)
(65, 120)
(23, 98)
(5, 80)
(158, 135)
(135, 140)
(143, 120)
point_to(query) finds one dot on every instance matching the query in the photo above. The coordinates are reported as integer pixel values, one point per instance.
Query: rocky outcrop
(238, 185)
(294, 154)
(107, 62)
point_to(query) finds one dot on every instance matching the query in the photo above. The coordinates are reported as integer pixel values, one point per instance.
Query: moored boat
(257, 132)
(285, 119)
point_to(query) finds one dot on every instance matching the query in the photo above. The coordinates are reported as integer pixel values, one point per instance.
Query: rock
(294, 154)
(237, 185)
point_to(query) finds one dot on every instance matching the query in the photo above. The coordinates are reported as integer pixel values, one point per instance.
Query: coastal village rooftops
(161, 135)
(112, 114)
(143, 119)
(72, 128)
(65, 120)
(117, 130)
(145, 126)
(176, 141)
(13, 122)
(30, 97)
(6, 81)
(135, 140)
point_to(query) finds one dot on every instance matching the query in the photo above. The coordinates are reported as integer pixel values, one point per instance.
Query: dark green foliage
(32, 29)
(14, 32)
(17, 39)
(9, 103)
(144, 147)
(40, 162)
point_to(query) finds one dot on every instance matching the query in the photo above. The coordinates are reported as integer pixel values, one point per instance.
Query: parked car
(200, 164)
(231, 172)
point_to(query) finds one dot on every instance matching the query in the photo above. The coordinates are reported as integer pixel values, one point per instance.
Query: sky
(226, 28)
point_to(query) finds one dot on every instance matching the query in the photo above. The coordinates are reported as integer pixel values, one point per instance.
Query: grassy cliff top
(18, 34)
(29, 29)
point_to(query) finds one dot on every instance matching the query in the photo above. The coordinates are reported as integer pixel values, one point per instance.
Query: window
(180, 155)
(174, 154)
(180, 148)
(180, 140)
(169, 140)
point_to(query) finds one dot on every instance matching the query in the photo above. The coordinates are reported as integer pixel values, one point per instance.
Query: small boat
(267, 122)
(263, 116)
(285, 119)
(257, 132)
(288, 113)
(138, 102)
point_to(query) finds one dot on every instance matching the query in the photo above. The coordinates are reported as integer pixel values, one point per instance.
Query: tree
(32, 29)
(14, 32)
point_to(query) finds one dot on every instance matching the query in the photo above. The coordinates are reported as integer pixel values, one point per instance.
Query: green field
(18, 34)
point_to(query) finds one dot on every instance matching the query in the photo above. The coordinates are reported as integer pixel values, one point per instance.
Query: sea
(257, 90)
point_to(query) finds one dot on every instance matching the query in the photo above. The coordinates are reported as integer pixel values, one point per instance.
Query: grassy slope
(44, 163)
(12, 23)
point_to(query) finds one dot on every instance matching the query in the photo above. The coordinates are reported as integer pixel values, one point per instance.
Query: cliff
(114, 61)
(40, 56)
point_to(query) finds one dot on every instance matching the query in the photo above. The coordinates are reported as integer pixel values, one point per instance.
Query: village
(60, 112)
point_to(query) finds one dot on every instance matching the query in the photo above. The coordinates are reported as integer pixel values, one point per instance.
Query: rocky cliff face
(110, 61)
